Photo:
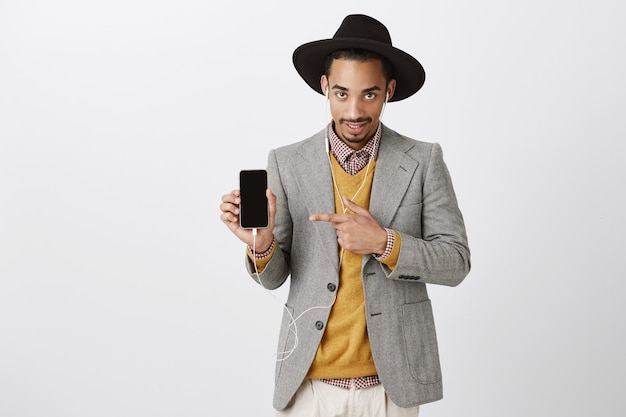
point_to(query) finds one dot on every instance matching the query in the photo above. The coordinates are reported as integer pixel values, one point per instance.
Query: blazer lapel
(394, 170)
(312, 172)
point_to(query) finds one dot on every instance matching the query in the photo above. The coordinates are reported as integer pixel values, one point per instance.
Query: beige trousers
(318, 399)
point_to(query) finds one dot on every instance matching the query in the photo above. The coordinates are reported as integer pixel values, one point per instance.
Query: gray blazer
(412, 193)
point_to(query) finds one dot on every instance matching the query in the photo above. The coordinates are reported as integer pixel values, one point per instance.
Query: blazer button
(331, 287)
(319, 325)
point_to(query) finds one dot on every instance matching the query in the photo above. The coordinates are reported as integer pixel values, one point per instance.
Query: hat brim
(309, 61)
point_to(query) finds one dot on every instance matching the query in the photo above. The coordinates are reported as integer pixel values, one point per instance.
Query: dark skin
(357, 93)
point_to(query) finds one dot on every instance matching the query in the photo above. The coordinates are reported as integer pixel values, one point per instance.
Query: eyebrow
(367, 90)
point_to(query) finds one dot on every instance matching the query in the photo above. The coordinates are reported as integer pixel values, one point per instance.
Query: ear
(324, 84)
(391, 88)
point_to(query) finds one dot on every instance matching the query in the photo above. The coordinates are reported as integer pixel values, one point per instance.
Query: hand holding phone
(253, 206)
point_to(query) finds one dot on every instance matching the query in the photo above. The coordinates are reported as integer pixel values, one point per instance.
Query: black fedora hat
(363, 32)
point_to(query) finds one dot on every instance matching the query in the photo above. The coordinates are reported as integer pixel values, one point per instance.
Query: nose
(354, 108)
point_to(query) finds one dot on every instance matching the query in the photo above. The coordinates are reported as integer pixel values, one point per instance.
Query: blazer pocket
(420, 341)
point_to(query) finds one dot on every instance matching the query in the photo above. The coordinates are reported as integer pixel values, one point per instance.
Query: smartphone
(253, 208)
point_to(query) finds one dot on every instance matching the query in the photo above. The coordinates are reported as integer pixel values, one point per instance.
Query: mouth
(355, 128)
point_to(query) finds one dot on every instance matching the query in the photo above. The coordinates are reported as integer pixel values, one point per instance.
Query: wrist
(262, 247)
(387, 245)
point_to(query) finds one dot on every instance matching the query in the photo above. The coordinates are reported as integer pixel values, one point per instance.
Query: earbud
(387, 97)
(326, 93)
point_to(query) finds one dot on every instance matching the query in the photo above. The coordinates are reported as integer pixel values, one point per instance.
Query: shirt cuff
(390, 241)
(392, 251)
(262, 255)
(261, 259)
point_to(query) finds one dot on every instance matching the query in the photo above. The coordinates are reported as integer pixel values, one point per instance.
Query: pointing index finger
(327, 217)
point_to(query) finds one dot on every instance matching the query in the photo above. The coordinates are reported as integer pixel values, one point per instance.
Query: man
(361, 219)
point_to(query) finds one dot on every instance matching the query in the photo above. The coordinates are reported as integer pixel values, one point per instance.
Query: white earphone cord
(286, 354)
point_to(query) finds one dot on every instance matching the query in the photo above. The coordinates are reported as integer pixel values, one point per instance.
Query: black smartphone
(253, 208)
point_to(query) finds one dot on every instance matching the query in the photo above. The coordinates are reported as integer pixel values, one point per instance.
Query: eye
(370, 96)
(341, 94)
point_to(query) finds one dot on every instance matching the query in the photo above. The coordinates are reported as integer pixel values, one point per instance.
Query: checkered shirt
(350, 160)
(358, 383)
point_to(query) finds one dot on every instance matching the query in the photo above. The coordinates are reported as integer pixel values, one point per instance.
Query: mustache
(359, 120)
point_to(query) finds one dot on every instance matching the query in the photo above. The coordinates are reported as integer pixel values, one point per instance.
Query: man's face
(356, 91)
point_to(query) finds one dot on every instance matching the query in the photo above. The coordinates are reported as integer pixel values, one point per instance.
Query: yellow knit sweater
(345, 348)
(344, 351)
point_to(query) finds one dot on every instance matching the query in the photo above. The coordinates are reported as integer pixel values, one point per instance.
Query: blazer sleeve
(439, 253)
(275, 273)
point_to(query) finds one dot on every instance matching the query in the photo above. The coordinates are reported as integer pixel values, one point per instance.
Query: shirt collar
(342, 152)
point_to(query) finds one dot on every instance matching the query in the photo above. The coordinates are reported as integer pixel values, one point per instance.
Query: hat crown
(358, 31)
(364, 27)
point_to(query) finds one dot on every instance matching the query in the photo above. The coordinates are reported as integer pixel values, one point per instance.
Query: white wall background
(123, 122)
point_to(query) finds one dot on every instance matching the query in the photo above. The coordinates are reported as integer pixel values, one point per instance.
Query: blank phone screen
(253, 212)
